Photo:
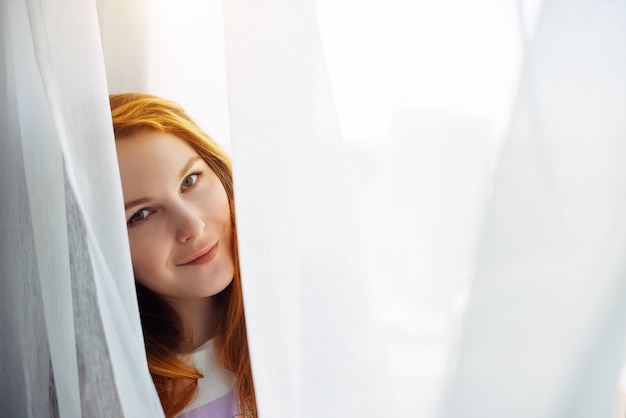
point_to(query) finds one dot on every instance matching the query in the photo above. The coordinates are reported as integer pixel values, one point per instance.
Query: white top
(216, 395)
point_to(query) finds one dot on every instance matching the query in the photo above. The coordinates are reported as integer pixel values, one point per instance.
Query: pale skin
(179, 226)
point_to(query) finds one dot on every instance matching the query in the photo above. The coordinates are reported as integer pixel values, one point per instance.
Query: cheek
(224, 205)
(148, 255)
(222, 215)
(225, 215)
(215, 206)
(227, 225)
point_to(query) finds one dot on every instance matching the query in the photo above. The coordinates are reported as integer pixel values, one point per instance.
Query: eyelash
(131, 223)
(194, 173)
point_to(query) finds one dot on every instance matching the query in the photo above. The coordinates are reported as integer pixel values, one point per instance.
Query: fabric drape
(545, 324)
(72, 344)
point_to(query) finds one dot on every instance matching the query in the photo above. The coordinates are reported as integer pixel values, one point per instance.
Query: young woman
(178, 195)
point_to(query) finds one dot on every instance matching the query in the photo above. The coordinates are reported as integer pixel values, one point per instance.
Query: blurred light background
(424, 93)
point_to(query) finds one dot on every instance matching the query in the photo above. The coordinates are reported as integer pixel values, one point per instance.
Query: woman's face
(178, 217)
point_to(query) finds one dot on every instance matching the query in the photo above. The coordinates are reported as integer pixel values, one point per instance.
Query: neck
(198, 315)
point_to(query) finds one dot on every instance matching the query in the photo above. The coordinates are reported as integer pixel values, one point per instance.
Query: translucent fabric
(428, 200)
(546, 319)
(71, 343)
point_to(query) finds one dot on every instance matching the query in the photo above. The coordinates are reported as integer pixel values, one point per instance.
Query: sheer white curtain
(71, 342)
(402, 172)
(484, 141)
(428, 94)
(312, 319)
(546, 320)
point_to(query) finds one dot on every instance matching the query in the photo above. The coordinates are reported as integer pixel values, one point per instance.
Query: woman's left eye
(139, 216)
(191, 180)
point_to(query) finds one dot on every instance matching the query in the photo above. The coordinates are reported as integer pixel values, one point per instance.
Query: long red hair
(163, 329)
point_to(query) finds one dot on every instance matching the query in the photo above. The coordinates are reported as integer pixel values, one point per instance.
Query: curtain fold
(545, 327)
(312, 324)
(28, 383)
(74, 339)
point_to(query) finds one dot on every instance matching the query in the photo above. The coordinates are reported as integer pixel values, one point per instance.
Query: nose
(189, 224)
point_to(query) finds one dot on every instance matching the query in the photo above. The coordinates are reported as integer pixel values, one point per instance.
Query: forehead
(149, 158)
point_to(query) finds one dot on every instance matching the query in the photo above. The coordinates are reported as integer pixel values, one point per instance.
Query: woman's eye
(190, 180)
(139, 216)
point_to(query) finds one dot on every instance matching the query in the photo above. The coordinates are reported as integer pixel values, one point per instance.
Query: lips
(204, 256)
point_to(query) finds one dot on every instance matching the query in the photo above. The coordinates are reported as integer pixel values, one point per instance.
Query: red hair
(163, 328)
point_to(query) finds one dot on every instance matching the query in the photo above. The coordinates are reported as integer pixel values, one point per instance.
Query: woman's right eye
(139, 216)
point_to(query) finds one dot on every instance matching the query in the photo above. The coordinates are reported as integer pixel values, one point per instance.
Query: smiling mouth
(204, 257)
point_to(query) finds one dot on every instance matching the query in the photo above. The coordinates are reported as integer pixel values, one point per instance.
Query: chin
(219, 288)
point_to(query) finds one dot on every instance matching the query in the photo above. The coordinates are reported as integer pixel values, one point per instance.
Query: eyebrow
(136, 202)
(187, 166)
(143, 200)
